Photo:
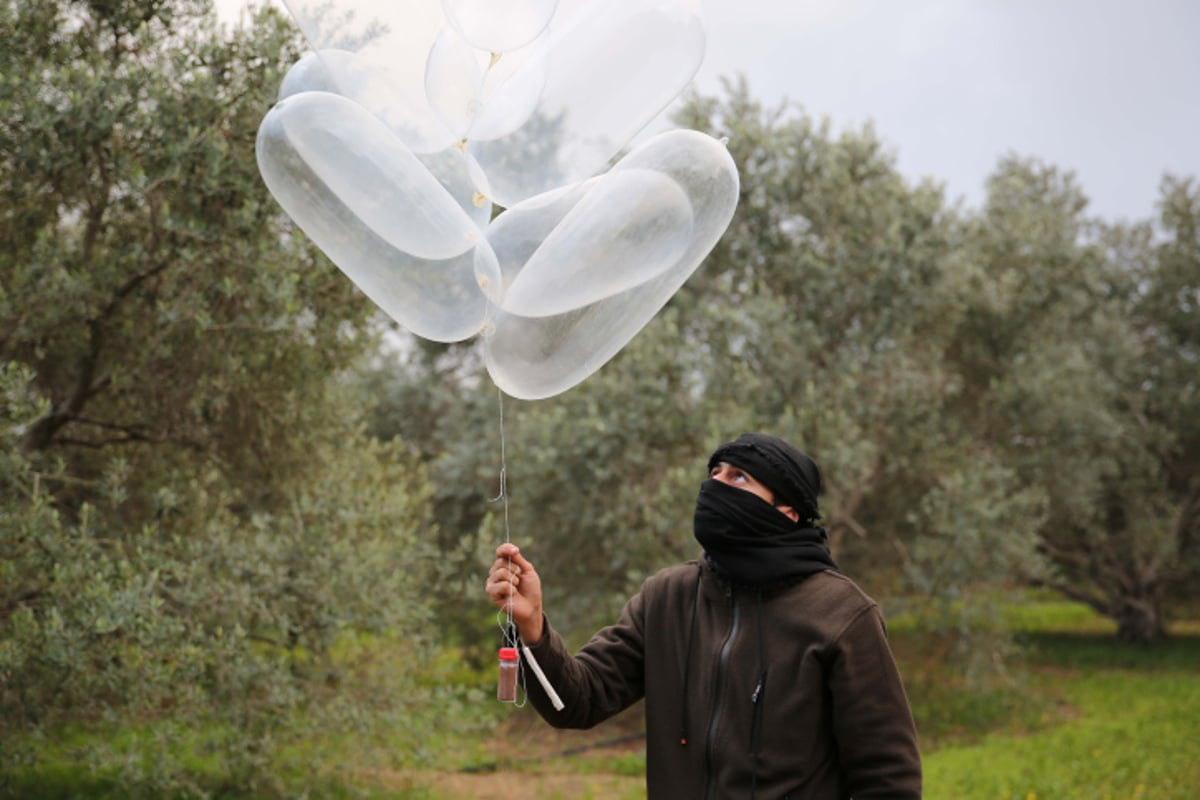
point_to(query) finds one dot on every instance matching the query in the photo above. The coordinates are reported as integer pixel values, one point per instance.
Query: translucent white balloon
(498, 26)
(512, 86)
(609, 71)
(628, 228)
(436, 298)
(479, 95)
(310, 74)
(454, 81)
(453, 169)
(536, 357)
(390, 42)
(390, 146)
(518, 232)
(371, 172)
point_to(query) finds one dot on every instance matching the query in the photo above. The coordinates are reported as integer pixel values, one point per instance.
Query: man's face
(739, 478)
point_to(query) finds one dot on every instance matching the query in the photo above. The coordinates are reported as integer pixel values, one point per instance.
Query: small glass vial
(506, 691)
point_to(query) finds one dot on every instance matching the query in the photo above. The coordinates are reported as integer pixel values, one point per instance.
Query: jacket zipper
(710, 787)
(756, 721)
(755, 729)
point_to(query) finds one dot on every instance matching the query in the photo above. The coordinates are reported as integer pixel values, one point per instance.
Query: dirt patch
(529, 759)
(525, 737)
(525, 785)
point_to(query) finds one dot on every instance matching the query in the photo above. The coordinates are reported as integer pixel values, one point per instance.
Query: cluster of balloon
(394, 139)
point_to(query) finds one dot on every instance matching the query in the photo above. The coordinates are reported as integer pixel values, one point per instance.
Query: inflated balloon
(536, 357)
(629, 227)
(498, 26)
(483, 95)
(437, 298)
(512, 87)
(553, 113)
(389, 146)
(411, 118)
(454, 169)
(454, 82)
(611, 70)
(372, 173)
(389, 43)
(518, 232)
(310, 74)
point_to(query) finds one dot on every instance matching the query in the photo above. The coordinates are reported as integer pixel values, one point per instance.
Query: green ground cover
(1111, 720)
(1129, 735)
(1082, 715)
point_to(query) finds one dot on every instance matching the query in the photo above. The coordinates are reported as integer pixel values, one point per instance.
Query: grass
(1133, 736)
(1102, 718)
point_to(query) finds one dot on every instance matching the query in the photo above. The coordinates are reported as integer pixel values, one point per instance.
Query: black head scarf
(792, 476)
(750, 541)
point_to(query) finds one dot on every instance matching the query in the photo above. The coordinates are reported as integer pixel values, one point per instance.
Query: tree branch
(1096, 603)
(22, 599)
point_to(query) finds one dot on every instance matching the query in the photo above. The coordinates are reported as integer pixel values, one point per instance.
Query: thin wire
(505, 618)
(503, 468)
(503, 496)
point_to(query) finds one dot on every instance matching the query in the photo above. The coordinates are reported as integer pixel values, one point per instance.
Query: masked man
(766, 672)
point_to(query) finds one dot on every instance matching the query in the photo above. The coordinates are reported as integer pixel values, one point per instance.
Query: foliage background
(243, 518)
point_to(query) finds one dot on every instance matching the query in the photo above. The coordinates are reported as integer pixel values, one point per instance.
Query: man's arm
(873, 724)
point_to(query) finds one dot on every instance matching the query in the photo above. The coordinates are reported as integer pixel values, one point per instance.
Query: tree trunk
(1187, 527)
(1140, 622)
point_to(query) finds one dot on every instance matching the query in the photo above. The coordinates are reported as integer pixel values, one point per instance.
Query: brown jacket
(791, 694)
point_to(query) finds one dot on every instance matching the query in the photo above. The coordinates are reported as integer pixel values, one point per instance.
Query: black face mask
(753, 542)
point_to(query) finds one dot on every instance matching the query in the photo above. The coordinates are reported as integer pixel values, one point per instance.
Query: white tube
(541, 676)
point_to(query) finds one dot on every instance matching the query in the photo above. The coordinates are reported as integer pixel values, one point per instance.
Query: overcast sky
(1106, 88)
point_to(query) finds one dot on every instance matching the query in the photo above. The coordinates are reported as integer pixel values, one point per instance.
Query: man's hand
(513, 585)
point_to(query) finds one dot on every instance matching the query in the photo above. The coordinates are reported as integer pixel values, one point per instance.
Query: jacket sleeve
(872, 721)
(602, 679)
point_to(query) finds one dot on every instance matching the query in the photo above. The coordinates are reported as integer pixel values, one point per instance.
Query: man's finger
(521, 563)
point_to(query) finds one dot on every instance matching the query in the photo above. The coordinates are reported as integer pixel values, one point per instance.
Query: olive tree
(1075, 368)
(199, 542)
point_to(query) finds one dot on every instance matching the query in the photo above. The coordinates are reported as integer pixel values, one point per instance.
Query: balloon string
(503, 468)
(505, 618)
(503, 496)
